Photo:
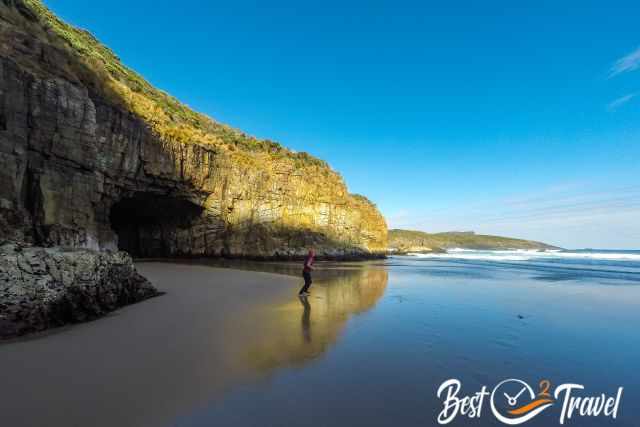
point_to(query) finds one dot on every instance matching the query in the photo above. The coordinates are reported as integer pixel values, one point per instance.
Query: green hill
(402, 241)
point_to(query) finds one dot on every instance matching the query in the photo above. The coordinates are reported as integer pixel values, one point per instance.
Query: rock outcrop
(41, 288)
(91, 156)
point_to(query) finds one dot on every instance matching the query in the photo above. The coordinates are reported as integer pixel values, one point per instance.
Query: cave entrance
(147, 224)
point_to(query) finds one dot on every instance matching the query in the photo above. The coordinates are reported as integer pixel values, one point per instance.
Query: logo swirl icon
(523, 413)
(513, 401)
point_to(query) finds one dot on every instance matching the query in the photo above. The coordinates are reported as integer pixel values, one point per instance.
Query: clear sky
(512, 118)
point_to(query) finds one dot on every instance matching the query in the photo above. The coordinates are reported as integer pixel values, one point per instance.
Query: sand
(149, 362)
(158, 361)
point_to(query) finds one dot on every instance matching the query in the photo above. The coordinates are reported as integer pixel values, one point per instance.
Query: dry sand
(146, 363)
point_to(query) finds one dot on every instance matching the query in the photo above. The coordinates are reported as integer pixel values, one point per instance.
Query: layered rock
(41, 288)
(83, 164)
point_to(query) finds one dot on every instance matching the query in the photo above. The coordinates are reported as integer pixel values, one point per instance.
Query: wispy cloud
(617, 103)
(567, 214)
(625, 64)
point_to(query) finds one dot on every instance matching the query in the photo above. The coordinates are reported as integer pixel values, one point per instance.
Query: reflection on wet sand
(306, 319)
(302, 329)
(152, 363)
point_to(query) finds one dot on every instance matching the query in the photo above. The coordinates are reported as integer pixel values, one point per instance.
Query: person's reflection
(306, 319)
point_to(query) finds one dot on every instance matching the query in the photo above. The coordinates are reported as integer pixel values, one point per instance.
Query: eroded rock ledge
(42, 288)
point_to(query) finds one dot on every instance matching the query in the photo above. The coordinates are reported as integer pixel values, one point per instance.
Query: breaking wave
(526, 255)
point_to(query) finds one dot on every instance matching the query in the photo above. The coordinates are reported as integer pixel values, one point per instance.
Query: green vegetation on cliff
(93, 138)
(415, 241)
(99, 67)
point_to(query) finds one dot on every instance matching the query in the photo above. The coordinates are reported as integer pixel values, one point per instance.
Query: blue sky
(512, 118)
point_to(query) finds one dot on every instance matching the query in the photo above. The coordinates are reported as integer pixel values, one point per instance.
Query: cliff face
(90, 159)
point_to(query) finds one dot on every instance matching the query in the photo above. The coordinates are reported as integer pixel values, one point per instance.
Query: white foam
(528, 254)
(610, 256)
(473, 256)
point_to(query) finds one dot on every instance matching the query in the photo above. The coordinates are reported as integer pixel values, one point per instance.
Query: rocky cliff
(92, 156)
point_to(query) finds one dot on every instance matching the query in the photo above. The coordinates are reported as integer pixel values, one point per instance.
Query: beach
(461, 181)
(149, 363)
(230, 347)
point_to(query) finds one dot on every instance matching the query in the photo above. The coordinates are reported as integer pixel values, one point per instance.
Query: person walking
(306, 273)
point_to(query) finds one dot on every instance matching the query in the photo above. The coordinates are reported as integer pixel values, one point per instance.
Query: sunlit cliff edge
(93, 156)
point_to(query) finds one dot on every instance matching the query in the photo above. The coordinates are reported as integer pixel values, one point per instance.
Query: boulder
(45, 287)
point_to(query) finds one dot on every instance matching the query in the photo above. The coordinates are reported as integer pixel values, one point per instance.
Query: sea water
(480, 317)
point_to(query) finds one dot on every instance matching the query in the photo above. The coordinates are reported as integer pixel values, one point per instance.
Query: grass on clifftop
(362, 199)
(403, 239)
(170, 119)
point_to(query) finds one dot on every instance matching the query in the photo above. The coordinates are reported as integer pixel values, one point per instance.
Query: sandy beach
(459, 181)
(230, 347)
(149, 363)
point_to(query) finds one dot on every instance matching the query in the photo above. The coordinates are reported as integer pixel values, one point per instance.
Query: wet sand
(370, 347)
(150, 363)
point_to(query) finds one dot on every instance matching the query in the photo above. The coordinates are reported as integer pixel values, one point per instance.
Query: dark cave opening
(147, 224)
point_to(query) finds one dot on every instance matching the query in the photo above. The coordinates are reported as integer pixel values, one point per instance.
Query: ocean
(479, 317)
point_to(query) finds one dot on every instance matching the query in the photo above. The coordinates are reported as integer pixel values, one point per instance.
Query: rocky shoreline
(337, 257)
(47, 287)
(41, 288)
(97, 166)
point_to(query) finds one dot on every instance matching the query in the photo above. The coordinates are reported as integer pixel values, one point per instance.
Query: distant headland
(404, 241)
